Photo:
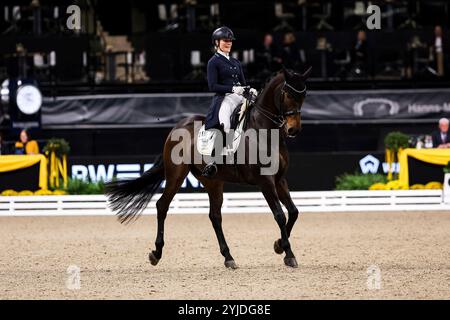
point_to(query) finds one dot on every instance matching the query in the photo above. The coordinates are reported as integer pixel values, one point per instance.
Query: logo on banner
(375, 107)
(101, 172)
(369, 164)
(417, 108)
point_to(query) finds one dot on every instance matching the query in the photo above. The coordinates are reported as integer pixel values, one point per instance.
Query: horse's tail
(130, 197)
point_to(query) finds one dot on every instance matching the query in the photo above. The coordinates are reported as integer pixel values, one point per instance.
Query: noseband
(280, 118)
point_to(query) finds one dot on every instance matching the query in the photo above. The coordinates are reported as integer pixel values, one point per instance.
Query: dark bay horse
(277, 107)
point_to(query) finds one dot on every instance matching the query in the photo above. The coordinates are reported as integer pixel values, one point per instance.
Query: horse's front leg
(270, 194)
(286, 200)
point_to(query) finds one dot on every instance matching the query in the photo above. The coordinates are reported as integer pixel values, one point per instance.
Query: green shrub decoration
(396, 140)
(78, 186)
(358, 181)
(59, 146)
(447, 168)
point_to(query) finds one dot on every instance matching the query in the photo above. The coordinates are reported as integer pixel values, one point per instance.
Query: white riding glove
(238, 90)
(254, 91)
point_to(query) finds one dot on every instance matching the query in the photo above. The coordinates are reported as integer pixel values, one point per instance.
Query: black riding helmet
(222, 33)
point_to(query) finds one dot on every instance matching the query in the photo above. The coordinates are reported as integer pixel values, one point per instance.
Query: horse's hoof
(153, 260)
(231, 264)
(291, 262)
(277, 247)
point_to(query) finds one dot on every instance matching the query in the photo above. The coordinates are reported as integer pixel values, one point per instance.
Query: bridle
(280, 118)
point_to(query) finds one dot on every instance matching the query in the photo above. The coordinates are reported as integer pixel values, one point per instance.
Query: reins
(280, 119)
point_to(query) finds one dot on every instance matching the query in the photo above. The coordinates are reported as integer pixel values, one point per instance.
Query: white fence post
(11, 207)
(446, 191)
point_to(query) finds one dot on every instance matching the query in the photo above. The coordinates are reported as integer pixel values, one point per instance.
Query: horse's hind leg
(215, 193)
(175, 175)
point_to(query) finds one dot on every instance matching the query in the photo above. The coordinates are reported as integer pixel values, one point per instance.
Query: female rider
(226, 79)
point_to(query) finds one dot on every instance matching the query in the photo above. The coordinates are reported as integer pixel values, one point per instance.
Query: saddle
(238, 119)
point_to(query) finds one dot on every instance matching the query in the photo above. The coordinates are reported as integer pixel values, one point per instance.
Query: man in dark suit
(441, 137)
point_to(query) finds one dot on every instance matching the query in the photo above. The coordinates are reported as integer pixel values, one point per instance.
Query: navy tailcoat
(223, 74)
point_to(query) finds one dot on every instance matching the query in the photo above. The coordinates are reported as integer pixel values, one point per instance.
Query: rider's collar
(226, 55)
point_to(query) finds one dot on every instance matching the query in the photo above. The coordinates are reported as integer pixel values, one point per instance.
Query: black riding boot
(210, 169)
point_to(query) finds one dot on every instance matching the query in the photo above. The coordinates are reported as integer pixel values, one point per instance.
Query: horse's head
(293, 93)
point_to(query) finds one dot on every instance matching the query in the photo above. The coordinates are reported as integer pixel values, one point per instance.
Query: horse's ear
(286, 72)
(307, 73)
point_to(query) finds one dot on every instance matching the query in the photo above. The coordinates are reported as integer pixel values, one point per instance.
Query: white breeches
(229, 103)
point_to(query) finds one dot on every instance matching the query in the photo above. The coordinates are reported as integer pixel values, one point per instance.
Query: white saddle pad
(206, 138)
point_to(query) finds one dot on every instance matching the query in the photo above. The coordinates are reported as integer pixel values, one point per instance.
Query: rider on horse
(226, 79)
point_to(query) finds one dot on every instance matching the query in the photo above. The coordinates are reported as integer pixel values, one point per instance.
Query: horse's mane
(270, 78)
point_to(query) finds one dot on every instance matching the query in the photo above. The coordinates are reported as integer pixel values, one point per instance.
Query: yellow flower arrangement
(9, 193)
(378, 186)
(59, 193)
(43, 192)
(40, 192)
(433, 185)
(25, 193)
(396, 185)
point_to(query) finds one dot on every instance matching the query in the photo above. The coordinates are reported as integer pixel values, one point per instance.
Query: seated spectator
(359, 55)
(441, 138)
(26, 145)
(438, 51)
(265, 57)
(417, 58)
(291, 56)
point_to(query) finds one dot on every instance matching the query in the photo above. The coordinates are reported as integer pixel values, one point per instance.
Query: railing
(198, 203)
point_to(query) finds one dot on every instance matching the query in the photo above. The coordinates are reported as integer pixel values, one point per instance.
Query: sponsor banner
(154, 109)
(378, 104)
(105, 169)
(307, 171)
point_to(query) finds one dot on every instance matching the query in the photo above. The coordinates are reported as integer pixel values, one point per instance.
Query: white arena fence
(248, 202)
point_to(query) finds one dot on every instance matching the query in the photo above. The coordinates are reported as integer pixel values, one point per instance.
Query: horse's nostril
(292, 131)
